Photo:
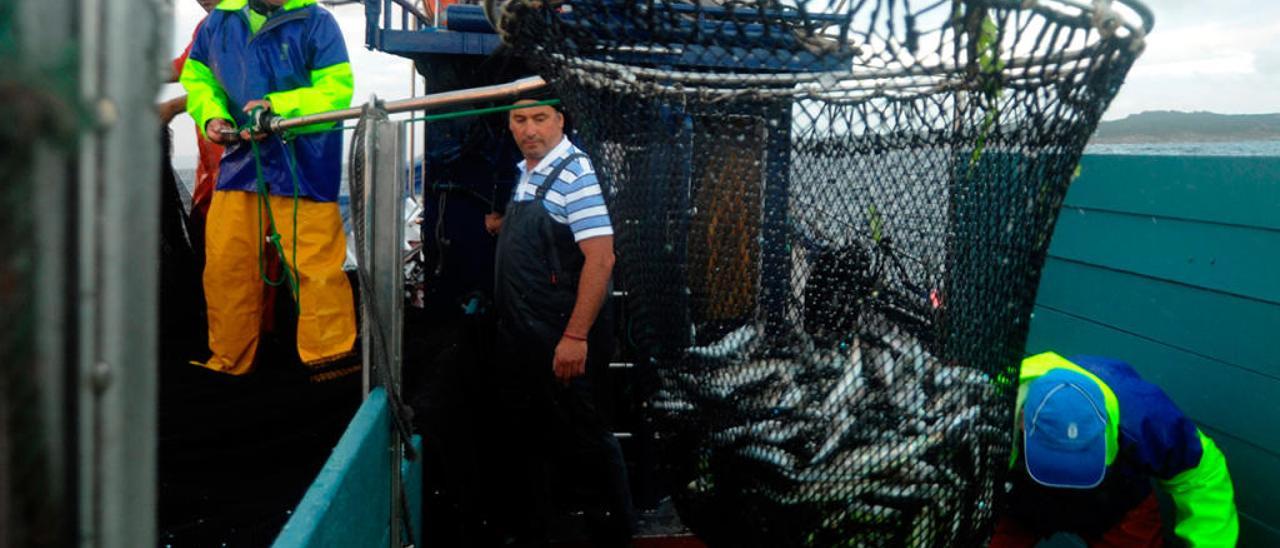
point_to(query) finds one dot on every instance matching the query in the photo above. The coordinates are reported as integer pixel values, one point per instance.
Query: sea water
(1235, 148)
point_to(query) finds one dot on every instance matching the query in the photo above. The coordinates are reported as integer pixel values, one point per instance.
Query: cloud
(1267, 59)
(1222, 58)
(1251, 93)
(1174, 14)
(383, 74)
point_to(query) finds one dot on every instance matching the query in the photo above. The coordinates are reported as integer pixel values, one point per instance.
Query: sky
(1219, 56)
(1207, 55)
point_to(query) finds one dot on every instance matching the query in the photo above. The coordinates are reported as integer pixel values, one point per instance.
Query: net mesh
(37, 128)
(831, 219)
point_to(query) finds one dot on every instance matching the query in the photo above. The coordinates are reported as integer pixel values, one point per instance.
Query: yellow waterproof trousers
(233, 287)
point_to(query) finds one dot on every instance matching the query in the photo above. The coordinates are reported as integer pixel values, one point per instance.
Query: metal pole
(385, 232)
(365, 246)
(382, 278)
(426, 102)
(413, 90)
(386, 16)
(386, 226)
(117, 297)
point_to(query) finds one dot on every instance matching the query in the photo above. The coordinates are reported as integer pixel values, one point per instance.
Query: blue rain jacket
(1148, 438)
(297, 59)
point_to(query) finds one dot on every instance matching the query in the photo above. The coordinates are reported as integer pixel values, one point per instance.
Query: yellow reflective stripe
(236, 5)
(331, 89)
(256, 20)
(206, 100)
(1205, 500)
(1036, 366)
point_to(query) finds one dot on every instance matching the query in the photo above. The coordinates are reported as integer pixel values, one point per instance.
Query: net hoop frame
(861, 82)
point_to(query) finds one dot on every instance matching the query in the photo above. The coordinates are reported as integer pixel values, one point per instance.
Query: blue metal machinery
(468, 163)
(467, 32)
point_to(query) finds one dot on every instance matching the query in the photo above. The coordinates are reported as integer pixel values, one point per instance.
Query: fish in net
(831, 218)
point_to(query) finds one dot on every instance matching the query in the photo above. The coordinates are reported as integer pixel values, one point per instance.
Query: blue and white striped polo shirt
(574, 199)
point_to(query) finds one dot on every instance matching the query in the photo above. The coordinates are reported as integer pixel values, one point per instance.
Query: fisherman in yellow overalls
(288, 57)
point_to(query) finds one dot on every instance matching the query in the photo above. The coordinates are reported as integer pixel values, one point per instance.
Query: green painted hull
(1173, 264)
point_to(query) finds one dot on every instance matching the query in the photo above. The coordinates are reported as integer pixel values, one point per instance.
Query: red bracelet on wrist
(573, 337)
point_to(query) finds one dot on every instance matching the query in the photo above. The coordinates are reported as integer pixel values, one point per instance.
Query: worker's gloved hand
(570, 360)
(249, 107)
(216, 130)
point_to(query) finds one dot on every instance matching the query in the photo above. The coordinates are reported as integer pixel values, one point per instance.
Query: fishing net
(36, 91)
(831, 220)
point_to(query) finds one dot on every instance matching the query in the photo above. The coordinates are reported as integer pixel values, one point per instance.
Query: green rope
(289, 134)
(290, 273)
(989, 65)
(480, 111)
(273, 235)
(441, 116)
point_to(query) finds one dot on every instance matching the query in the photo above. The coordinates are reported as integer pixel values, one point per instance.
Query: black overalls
(551, 425)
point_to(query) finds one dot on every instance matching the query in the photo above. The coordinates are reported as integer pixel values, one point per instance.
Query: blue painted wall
(1173, 264)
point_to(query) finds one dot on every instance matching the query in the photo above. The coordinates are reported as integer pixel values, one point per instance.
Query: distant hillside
(1187, 127)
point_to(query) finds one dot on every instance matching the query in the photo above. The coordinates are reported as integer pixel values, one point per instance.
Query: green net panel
(831, 220)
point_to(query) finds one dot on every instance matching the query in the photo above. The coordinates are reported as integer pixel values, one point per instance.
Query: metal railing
(496, 92)
(413, 28)
(396, 15)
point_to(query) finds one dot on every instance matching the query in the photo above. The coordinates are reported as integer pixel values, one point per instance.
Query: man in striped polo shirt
(553, 265)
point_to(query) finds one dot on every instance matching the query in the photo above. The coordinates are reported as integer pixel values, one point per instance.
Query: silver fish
(851, 380)
(738, 342)
(774, 432)
(768, 454)
(843, 426)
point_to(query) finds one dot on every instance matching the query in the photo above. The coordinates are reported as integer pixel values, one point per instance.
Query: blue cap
(1064, 424)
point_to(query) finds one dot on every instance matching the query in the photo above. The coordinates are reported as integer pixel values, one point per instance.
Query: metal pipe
(409, 9)
(426, 102)
(386, 16)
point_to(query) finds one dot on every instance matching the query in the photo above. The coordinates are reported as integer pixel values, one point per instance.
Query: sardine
(843, 426)
(734, 378)
(850, 381)
(923, 531)
(736, 343)
(672, 406)
(768, 454)
(773, 432)
(953, 375)
(875, 460)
